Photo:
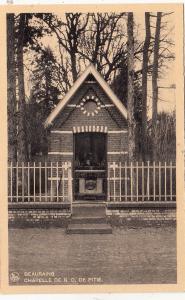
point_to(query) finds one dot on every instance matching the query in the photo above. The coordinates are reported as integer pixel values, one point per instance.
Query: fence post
(165, 181)
(70, 192)
(11, 182)
(108, 182)
(114, 180)
(148, 180)
(34, 181)
(22, 181)
(137, 180)
(126, 180)
(46, 181)
(171, 190)
(57, 179)
(131, 182)
(17, 182)
(160, 181)
(51, 182)
(40, 182)
(143, 182)
(63, 181)
(154, 180)
(28, 181)
(120, 179)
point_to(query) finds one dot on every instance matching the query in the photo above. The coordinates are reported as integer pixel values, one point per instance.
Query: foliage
(43, 98)
(165, 137)
(44, 88)
(120, 88)
(36, 133)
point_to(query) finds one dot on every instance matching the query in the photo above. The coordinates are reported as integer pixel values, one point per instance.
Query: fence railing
(40, 182)
(141, 181)
(52, 182)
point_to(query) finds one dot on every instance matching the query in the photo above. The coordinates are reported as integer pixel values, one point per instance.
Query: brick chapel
(88, 127)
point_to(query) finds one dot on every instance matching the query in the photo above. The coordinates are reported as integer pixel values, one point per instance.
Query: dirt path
(146, 255)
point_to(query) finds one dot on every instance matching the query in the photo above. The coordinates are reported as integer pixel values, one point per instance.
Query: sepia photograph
(91, 122)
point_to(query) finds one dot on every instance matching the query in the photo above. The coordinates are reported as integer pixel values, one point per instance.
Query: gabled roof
(89, 70)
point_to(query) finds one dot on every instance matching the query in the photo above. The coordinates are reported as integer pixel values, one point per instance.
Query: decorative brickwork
(72, 120)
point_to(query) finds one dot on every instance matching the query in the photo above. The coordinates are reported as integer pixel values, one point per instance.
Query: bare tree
(68, 34)
(130, 100)
(154, 79)
(89, 38)
(144, 82)
(105, 43)
(22, 143)
(11, 89)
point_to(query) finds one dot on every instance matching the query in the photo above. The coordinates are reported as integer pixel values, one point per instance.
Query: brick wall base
(142, 216)
(38, 215)
(120, 214)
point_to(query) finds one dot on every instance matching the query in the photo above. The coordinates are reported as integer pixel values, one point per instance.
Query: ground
(128, 256)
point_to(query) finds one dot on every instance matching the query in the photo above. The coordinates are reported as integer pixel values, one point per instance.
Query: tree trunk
(154, 82)
(11, 90)
(130, 101)
(73, 66)
(22, 141)
(11, 98)
(144, 84)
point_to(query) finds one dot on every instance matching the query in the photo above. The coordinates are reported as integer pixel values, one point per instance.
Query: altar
(90, 165)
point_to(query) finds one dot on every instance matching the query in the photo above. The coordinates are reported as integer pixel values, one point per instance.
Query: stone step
(88, 220)
(89, 229)
(89, 211)
(89, 203)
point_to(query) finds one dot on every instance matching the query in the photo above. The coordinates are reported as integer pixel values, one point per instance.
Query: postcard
(92, 158)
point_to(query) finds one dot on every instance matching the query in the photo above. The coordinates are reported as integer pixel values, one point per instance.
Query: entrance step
(89, 210)
(89, 203)
(89, 229)
(89, 219)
